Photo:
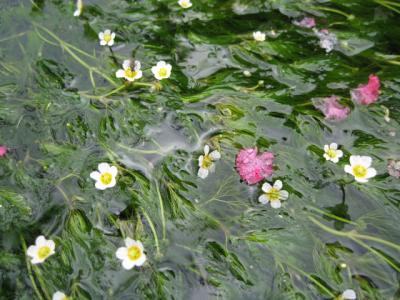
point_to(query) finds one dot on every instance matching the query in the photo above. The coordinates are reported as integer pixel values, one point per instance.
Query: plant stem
(161, 211)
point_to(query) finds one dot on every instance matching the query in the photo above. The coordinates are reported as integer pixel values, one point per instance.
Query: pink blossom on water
(368, 93)
(3, 150)
(394, 168)
(331, 108)
(307, 22)
(253, 167)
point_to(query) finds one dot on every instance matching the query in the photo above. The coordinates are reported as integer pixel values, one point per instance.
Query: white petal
(113, 171)
(202, 173)
(107, 31)
(335, 159)
(95, 175)
(36, 260)
(141, 260)
(355, 160)
(326, 148)
(110, 43)
(51, 245)
(283, 195)
(266, 187)
(122, 253)
(120, 73)
(276, 204)
(129, 242)
(41, 241)
(169, 69)
(112, 183)
(263, 199)
(113, 35)
(333, 146)
(101, 35)
(371, 172)
(104, 167)
(278, 185)
(139, 74)
(137, 65)
(201, 158)
(103, 43)
(59, 296)
(140, 245)
(361, 180)
(215, 155)
(349, 295)
(128, 264)
(366, 161)
(126, 64)
(339, 153)
(348, 169)
(100, 186)
(32, 251)
(154, 70)
(130, 78)
(327, 157)
(206, 149)
(77, 13)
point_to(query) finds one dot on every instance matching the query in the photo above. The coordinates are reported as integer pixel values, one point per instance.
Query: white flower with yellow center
(60, 296)
(129, 72)
(105, 177)
(131, 255)
(161, 70)
(185, 3)
(41, 250)
(348, 295)
(259, 36)
(206, 162)
(360, 168)
(79, 8)
(332, 153)
(107, 38)
(273, 194)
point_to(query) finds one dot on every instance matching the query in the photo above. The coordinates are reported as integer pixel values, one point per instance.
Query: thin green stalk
(348, 16)
(333, 216)
(13, 36)
(153, 229)
(161, 211)
(42, 284)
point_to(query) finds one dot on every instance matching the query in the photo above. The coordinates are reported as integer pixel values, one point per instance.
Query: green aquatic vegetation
(205, 79)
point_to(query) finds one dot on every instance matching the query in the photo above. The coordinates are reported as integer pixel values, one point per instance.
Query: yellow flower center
(207, 162)
(106, 178)
(185, 4)
(130, 73)
(273, 194)
(162, 72)
(360, 171)
(331, 153)
(134, 253)
(107, 37)
(44, 252)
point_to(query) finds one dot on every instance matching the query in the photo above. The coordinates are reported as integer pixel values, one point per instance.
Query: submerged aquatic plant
(130, 71)
(105, 176)
(332, 153)
(273, 194)
(41, 250)
(360, 168)
(331, 108)
(132, 254)
(368, 93)
(206, 162)
(253, 167)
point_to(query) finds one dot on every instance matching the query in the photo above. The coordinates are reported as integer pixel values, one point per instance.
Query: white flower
(206, 162)
(107, 37)
(59, 296)
(185, 3)
(130, 72)
(348, 295)
(360, 168)
(161, 70)
(259, 36)
(105, 177)
(273, 194)
(131, 255)
(79, 8)
(41, 250)
(327, 40)
(331, 152)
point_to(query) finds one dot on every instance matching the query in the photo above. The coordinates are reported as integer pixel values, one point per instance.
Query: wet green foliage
(63, 111)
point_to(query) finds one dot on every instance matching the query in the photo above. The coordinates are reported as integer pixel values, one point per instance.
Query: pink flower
(306, 22)
(253, 168)
(3, 150)
(331, 108)
(366, 94)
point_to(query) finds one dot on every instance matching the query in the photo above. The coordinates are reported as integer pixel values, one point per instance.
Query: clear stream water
(63, 111)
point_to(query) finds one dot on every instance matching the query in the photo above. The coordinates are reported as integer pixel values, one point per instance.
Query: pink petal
(306, 22)
(3, 150)
(331, 108)
(253, 168)
(368, 93)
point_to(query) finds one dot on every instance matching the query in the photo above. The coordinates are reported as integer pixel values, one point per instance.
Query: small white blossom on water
(247, 73)
(41, 250)
(273, 194)
(132, 254)
(107, 38)
(105, 177)
(327, 40)
(130, 71)
(259, 36)
(360, 168)
(348, 295)
(185, 3)
(162, 70)
(206, 162)
(79, 8)
(60, 296)
(332, 153)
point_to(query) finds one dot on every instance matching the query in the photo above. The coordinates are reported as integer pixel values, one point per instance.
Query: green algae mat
(203, 149)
